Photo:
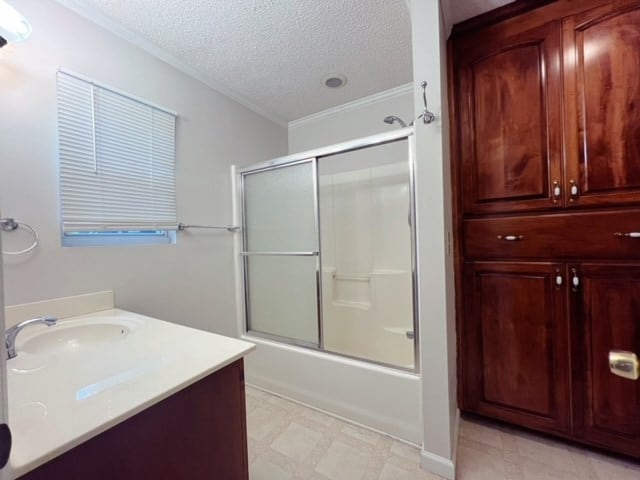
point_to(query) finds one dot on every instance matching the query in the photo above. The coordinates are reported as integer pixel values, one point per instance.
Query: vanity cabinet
(198, 433)
(545, 122)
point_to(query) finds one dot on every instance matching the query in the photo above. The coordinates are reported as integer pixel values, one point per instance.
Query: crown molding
(370, 100)
(94, 15)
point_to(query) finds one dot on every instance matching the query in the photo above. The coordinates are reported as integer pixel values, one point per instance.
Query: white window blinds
(117, 159)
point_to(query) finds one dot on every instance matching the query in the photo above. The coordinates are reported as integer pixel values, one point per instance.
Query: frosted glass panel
(282, 296)
(367, 282)
(280, 209)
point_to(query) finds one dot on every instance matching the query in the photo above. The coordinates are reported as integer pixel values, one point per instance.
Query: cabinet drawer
(614, 235)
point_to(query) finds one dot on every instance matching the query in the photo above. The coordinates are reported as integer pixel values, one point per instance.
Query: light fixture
(13, 26)
(334, 80)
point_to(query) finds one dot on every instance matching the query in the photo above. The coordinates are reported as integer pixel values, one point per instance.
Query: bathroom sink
(72, 336)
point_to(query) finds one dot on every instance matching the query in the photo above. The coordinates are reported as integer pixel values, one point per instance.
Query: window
(117, 166)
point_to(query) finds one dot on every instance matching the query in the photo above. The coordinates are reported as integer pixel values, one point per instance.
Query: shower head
(392, 118)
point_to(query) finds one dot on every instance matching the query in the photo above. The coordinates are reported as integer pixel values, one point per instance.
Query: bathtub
(378, 397)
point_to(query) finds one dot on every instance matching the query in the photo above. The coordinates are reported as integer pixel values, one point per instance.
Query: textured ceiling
(274, 53)
(463, 9)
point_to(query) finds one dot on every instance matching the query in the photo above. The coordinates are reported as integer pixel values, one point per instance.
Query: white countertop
(73, 392)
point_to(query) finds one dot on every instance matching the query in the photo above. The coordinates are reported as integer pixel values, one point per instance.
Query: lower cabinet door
(606, 313)
(516, 360)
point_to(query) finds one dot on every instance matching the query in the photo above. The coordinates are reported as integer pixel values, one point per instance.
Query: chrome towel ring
(11, 225)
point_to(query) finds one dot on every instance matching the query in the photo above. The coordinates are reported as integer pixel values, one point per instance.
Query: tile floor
(290, 442)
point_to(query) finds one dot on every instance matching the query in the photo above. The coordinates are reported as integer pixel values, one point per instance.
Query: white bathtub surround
(77, 379)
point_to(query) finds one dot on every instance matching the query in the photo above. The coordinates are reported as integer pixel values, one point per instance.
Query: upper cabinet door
(602, 68)
(509, 93)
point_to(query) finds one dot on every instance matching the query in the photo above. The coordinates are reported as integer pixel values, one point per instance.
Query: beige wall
(191, 282)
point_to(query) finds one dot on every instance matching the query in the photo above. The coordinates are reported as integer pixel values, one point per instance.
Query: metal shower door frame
(315, 156)
(246, 253)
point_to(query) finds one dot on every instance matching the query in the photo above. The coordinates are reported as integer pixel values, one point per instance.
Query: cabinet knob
(559, 280)
(557, 191)
(624, 364)
(575, 280)
(510, 238)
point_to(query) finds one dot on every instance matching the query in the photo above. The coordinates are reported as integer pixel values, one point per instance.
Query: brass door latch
(624, 364)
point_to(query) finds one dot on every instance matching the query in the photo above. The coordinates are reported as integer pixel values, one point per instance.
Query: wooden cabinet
(513, 91)
(567, 235)
(510, 112)
(602, 67)
(545, 122)
(516, 360)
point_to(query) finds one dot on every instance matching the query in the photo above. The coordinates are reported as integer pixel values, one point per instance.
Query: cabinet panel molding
(606, 317)
(510, 117)
(602, 67)
(516, 359)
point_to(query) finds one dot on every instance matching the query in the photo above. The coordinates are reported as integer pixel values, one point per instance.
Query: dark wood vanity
(198, 433)
(545, 116)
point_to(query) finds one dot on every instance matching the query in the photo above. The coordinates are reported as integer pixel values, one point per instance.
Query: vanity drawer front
(614, 234)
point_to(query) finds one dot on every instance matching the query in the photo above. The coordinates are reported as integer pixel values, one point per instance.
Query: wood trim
(497, 15)
(457, 217)
(530, 14)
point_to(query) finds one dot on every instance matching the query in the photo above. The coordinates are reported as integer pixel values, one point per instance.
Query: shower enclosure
(328, 250)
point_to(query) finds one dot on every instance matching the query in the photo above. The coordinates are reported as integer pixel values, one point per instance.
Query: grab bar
(229, 228)
(357, 278)
(283, 254)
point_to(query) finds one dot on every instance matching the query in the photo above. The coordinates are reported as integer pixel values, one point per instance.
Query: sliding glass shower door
(329, 250)
(281, 252)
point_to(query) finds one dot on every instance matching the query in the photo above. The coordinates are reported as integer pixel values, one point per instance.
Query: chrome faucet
(11, 333)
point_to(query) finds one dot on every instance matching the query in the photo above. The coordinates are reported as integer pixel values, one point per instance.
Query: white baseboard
(456, 437)
(442, 466)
